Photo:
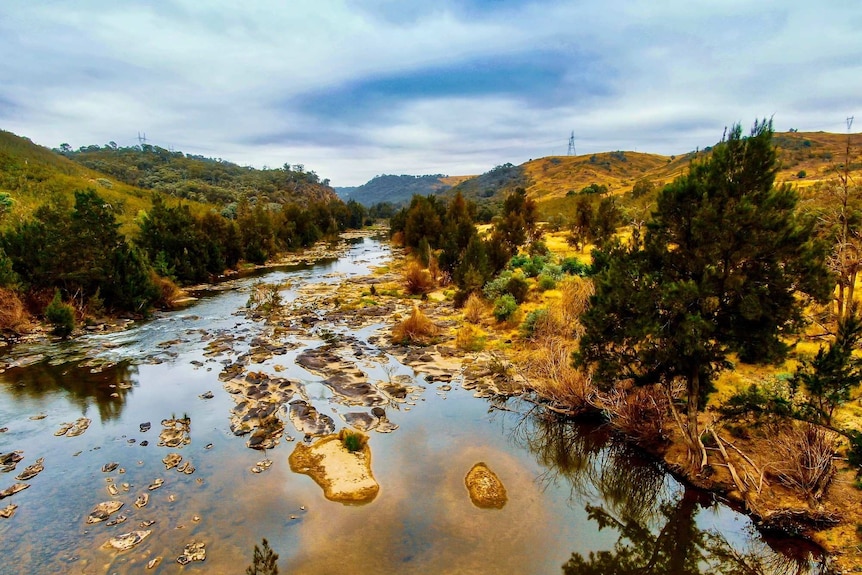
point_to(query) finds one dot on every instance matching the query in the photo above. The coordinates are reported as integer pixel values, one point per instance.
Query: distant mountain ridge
(395, 189)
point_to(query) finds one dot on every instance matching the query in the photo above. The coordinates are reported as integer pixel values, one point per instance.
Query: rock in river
(128, 540)
(8, 511)
(194, 551)
(345, 476)
(10, 491)
(103, 510)
(8, 461)
(32, 471)
(486, 489)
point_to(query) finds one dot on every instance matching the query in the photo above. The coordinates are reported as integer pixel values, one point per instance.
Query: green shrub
(352, 441)
(546, 282)
(60, 315)
(504, 307)
(528, 328)
(517, 287)
(801, 174)
(575, 267)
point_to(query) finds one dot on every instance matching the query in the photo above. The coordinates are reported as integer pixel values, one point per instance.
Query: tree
(607, 219)
(264, 561)
(835, 371)
(517, 223)
(724, 258)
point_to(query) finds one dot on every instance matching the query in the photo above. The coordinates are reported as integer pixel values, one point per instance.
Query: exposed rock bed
(344, 475)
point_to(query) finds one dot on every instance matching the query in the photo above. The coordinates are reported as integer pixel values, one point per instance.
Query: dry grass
(638, 412)
(549, 368)
(416, 329)
(417, 280)
(563, 313)
(474, 309)
(168, 290)
(804, 453)
(13, 316)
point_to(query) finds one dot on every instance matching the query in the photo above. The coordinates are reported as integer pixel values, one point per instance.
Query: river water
(579, 502)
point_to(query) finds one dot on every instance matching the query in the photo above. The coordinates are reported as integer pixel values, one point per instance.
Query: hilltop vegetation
(202, 179)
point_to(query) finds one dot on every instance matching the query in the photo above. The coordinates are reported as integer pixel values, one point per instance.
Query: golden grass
(548, 366)
(417, 280)
(564, 311)
(474, 308)
(416, 329)
(13, 316)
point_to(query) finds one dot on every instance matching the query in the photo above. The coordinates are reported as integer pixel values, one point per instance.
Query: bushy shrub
(518, 287)
(469, 338)
(497, 286)
(534, 318)
(13, 317)
(504, 307)
(352, 440)
(538, 248)
(546, 282)
(61, 316)
(575, 267)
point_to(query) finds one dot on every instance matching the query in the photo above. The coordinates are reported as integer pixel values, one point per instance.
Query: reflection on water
(657, 521)
(85, 387)
(576, 497)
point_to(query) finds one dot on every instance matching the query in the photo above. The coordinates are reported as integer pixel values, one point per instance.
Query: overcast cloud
(358, 88)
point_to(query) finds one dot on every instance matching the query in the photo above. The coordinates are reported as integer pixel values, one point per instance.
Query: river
(579, 501)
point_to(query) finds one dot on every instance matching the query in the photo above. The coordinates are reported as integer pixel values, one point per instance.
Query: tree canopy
(719, 270)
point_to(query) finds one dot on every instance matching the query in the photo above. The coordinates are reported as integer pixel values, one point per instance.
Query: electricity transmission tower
(142, 139)
(571, 151)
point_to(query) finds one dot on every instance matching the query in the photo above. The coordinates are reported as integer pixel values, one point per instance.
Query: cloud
(357, 88)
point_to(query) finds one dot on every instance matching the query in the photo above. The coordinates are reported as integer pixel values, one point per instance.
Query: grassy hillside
(33, 175)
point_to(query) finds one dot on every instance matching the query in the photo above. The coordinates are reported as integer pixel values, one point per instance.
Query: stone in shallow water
(10, 491)
(176, 432)
(172, 460)
(486, 489)
(32, 471)
(79, 427)
(194, 551)
(142, 500)
(8, 511)
(128, 540)
(103, 510)
(345, 476)
(8, 461)
(108, 467)
(308, 420)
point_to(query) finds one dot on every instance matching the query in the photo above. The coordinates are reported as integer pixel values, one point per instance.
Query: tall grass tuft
(13, 316)
(416, 329)
(474, 309)
(804, 454)
(549, 368)
(417, 280)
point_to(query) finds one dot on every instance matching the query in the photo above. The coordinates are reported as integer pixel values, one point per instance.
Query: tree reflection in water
(82, 384)
(656, 522)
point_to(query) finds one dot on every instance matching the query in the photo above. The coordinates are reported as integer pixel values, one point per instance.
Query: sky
(356, 88)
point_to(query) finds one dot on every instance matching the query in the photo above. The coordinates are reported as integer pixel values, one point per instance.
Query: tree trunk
(696, 449)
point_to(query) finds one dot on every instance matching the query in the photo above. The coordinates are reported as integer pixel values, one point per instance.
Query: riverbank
(745, 466)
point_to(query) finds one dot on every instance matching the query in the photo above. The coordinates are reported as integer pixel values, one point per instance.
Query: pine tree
(719, 271)
(264, 562)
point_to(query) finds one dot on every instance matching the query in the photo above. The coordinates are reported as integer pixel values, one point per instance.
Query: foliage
(642, 187)
(493, 184)
(264, 298)
(352, 440)
(192, 177)
(835, 371)
(264, 560)
(504, 307)
(512, 283)
(8, 277)
(61, 316)
(535, 317)
(854, 453)
(469, 338)
(546, 282)
(81, 252)
(774, 397)
(574, 266)
(517, 223)
(719, 270)
(594, 188)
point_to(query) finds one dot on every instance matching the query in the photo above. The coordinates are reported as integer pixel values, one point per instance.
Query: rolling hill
(397, 189)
